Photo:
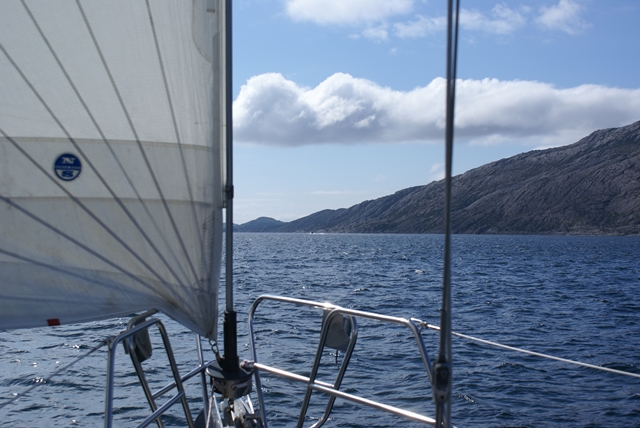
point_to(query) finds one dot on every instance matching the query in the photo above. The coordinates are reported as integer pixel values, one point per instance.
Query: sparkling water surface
(572, 297)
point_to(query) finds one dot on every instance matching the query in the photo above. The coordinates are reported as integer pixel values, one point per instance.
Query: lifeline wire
(56, 372)
(533, 353)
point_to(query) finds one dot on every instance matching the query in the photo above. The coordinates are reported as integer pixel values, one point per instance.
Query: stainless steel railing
(333, 389)
(140, 324)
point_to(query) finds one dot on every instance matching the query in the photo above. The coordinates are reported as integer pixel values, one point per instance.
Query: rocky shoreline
(591, 187)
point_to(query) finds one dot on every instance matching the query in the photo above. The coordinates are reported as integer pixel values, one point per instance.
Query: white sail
(111, 178)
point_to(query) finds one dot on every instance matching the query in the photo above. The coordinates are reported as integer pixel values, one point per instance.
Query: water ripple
(574, 297)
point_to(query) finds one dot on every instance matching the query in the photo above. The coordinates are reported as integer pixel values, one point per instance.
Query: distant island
(591, 187)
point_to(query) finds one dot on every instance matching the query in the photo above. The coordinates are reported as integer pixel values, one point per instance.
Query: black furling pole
(230, 361)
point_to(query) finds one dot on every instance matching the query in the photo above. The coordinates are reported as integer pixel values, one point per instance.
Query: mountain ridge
(591, 187)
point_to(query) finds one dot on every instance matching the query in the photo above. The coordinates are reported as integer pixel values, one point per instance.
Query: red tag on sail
(53, 321)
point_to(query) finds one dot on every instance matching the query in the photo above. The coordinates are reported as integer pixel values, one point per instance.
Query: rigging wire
(528, 352)
(210, 409)
(443, 365)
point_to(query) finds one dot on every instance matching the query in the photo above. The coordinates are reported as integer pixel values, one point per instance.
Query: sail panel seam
(137, 139)
(88, 160)
(177, 133)
(81, 205)
(70, 239)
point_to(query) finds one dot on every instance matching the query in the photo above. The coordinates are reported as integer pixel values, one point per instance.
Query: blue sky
(341, 101)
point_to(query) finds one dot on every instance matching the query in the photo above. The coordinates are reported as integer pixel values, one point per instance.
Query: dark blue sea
(571, 297)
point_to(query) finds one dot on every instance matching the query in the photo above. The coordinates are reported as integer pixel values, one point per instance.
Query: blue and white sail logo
(67, 167)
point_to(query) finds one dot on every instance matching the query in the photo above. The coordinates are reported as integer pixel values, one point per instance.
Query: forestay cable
(443, 365)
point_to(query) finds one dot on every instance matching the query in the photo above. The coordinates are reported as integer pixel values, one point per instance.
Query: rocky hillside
(591, 187)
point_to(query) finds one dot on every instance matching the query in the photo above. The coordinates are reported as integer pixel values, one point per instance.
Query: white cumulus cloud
(326, 12)
(376, 16)
(376, 33)
(272, 110)
(565, 16)
(503, 20)
(421, 27)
